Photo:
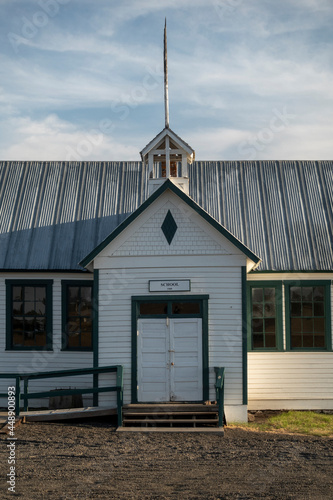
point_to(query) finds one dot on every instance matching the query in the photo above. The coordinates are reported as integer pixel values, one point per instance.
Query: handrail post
(25, 394)
(18, 395)
(120, 395)
(219, 385)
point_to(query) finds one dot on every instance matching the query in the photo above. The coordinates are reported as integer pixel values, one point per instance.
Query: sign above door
(169, 286)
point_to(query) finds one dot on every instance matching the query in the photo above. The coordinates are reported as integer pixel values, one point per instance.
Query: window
(265, 313)
(29, 314)
(308, 315)
(77, 313)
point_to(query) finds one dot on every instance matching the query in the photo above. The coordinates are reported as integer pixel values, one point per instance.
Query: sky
(248, 79)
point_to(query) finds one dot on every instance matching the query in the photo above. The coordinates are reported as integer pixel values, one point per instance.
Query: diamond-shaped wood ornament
(169, 227)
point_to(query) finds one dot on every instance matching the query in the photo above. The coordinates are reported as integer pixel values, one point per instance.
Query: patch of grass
(295, 422)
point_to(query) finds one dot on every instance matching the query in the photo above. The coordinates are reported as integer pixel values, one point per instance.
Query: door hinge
(167, 321)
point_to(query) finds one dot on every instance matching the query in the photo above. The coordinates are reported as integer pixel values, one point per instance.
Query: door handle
(172, 364)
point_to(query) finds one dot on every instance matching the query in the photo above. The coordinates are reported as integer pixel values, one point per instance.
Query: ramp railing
(26, 396)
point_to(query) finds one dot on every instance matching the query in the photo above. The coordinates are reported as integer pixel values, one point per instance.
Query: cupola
(167, 156)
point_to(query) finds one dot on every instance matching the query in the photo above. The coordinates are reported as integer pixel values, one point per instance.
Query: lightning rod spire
(166, 88)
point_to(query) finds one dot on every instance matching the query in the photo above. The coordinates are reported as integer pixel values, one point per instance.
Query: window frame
(278, 314)
(64, 309)
(327, 305)
(10, 283)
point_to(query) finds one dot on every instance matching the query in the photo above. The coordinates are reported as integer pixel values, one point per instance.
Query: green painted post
(17, 396)
(25, 398)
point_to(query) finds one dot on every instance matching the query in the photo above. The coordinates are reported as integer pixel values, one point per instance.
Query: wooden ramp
(171, 417)
(66, 414)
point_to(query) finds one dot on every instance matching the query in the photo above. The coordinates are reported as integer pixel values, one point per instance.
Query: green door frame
(203, 300)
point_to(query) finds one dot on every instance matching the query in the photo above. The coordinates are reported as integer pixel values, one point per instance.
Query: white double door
(169, 359)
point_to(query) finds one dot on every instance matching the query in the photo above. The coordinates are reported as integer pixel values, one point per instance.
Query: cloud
(54, 139)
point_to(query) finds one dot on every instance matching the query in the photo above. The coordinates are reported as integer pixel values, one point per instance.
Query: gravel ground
(84, 460)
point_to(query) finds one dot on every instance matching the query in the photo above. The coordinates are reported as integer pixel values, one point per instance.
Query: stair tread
(166, 413)
(170, 421)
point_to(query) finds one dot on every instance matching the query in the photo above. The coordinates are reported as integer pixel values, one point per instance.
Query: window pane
(295, 293)
(318, 293)
(264, 317)
(307, 293)
(257, 325)
(73, 325)
(186, 308)
(86, 325)
(86, 295)
(319, 325)
(269, 325)
(307, 340)
(269, 310)
(296, 325)
(18, 308)
(318, 309)
(29, 293)
(296, 341)
(153, 308)
(18, 323)
(307, 322)
(257, 295)
(28, 322)
(307, 309)
(40, 292)
(73, 293)
(270, 340)
(79, 316)
(86, 340)
(269, 294)
(296, 309)
(17, 293)
(319, 340)
(258, 340)
(40, 339)
(18, 338)
(308, 325)
(74, 340)
(29, 308)
(257, 310)
(40, 309)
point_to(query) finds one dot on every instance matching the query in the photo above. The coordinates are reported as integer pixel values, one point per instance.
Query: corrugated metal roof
(52, 214)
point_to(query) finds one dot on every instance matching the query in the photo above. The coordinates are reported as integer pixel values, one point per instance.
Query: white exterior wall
(225, 320)
(198, 253)
(32, 361)
(290, 380)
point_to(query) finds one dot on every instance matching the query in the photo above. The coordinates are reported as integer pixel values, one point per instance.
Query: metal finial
(166, 88)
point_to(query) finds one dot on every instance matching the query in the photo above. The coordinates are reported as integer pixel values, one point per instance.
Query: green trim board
(95, 333)
(10, 283)
(278, 311)
(244, 336)
(137, 300)
(64, 303)
(327, 313)
(169, 185)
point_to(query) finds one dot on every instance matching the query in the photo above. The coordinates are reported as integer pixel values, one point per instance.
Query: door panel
(153, 367)
(186, 373)
(170, 360)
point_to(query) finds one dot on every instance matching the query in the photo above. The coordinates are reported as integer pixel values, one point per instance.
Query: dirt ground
(81, 460)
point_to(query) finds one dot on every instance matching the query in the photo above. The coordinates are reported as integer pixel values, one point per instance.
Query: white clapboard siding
(41, 361)
(287, 379)
(225, 319)
(290, 380)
